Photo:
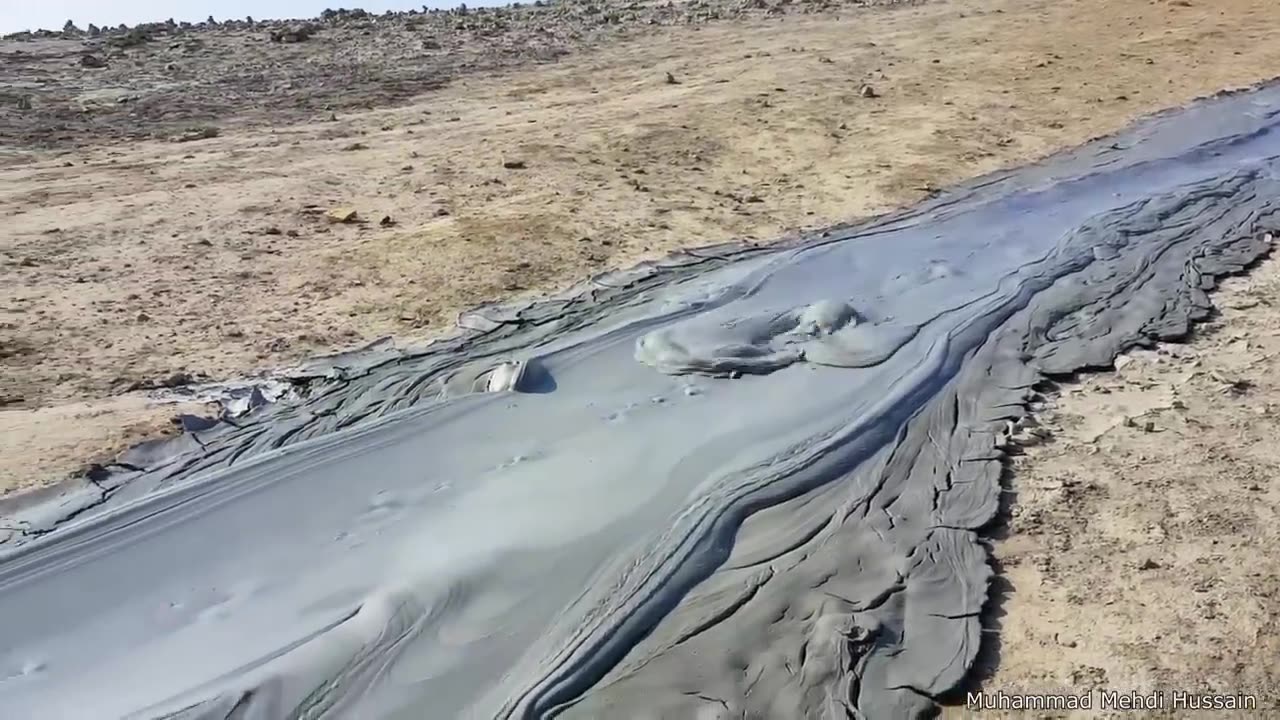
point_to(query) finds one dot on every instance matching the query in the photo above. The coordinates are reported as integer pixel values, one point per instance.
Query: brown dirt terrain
(1138, 555)
(126, 264)
(179, 81)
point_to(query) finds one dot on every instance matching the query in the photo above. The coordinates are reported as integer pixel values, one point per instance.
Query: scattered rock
(342, 215)
(1244, 303)
(293, 33)
(355, 146)
(1149, 564)
(201, 133)
(386, 221)
(178, 379)
(90, 60)
(1230, 386)
(127, 38)
(671, 79)
(513, 164)
(1088, 676)
(867, 91)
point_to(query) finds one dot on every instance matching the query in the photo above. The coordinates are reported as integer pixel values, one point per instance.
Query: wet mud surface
(741, 480)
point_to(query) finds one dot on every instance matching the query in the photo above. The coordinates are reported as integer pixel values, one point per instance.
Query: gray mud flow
(738, 482)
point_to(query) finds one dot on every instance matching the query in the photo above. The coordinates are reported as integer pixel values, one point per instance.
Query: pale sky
(17, 15)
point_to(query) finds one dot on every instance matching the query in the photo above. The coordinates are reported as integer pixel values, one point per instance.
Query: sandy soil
(1137, 554)
(129, 265)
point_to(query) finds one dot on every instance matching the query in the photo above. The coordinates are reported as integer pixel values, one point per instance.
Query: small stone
(177, 380)
(513, 164)
(867, 91)
(293, 33)
(342, 215)
(386, 221)
(671, 79)
(1148, 564)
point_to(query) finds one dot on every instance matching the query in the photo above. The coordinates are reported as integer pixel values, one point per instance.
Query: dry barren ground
(1140, 551)
(124, 265)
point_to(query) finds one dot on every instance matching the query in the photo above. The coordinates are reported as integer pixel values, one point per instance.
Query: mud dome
(739, 481)
(827, 332)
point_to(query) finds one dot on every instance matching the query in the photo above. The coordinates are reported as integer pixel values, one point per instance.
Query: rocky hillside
(179, 80)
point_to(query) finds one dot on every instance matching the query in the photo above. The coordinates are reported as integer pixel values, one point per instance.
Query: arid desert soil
(131, 260)
(179, 81)
(1138, 554)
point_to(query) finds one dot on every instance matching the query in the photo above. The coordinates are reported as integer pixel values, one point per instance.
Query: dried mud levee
(739, 481)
